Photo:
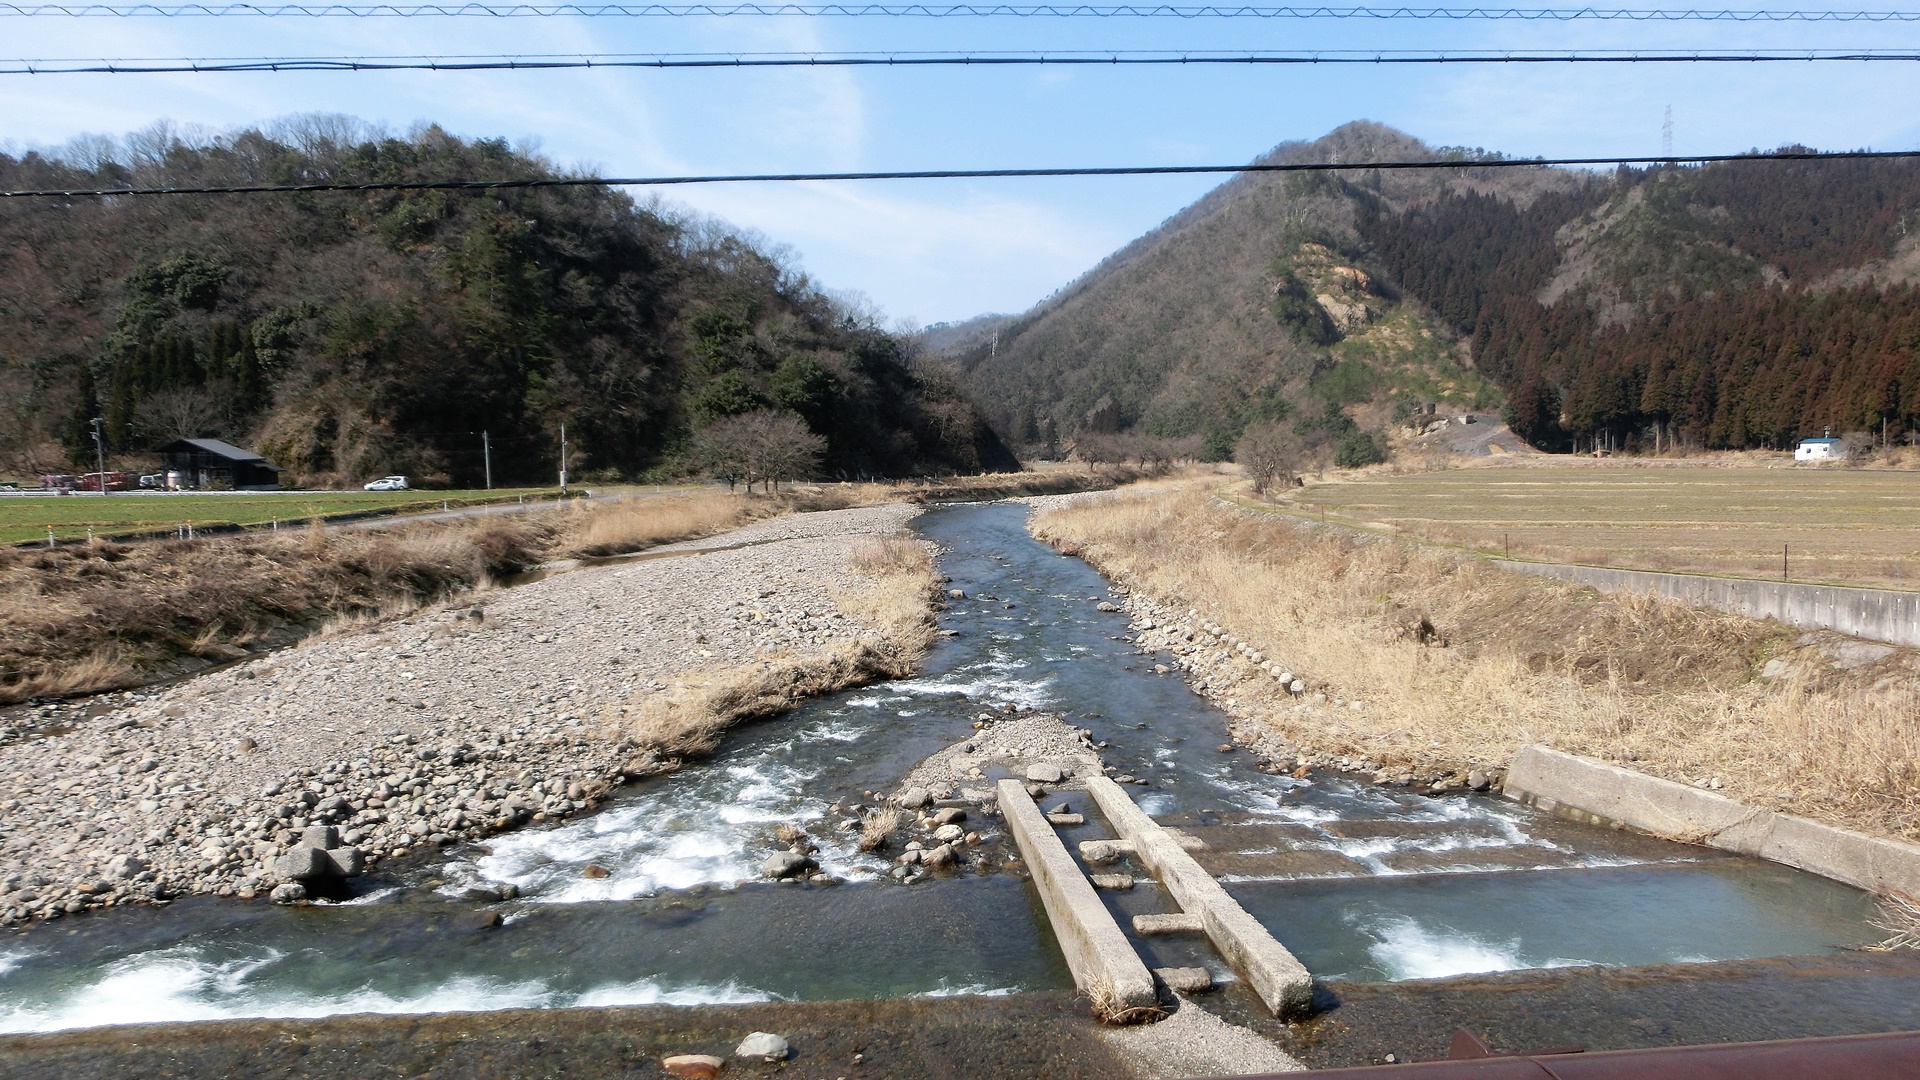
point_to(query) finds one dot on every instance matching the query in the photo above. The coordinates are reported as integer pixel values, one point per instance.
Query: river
(1365, 883)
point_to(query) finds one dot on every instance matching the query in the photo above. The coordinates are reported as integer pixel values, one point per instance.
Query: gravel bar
(461, 720)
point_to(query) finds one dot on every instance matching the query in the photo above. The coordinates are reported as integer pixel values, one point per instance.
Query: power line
(1115, 58)
(956, 174)
(953, 10)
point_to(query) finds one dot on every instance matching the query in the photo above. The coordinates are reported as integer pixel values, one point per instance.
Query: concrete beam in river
(1282, 982)
(1097, 952)
(1609, 794)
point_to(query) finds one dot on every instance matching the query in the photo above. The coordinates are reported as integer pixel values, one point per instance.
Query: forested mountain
(345, 335)
(1732, 305)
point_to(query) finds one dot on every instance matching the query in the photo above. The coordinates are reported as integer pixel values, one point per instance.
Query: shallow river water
(1364, 883)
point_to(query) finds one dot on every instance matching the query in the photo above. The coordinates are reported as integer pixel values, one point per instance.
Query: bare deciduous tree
(764, 446)
(1270, 454)
(181, 413)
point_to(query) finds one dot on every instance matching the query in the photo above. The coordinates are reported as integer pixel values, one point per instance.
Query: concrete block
(1097, 952)
(1583, 787)
(320, 836)
(301, 863)
(1177, 923)
(1875, 614)
(1283, 983)
(347, 861)
(1186, 980)
(1104, 851)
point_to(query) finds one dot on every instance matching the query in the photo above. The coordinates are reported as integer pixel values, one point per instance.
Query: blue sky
(930, 251)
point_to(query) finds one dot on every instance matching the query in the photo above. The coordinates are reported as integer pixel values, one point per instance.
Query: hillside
(350, 335)
(1733, 305)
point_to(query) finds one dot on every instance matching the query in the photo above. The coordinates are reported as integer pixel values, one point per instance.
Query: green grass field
(25, 518)
(1842, 526)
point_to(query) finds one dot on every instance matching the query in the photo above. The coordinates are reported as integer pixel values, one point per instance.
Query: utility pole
(486, 454)
(99, 454)
(563, 457)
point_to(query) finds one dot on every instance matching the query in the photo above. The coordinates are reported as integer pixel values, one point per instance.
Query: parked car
(153, 481)
(389, 483)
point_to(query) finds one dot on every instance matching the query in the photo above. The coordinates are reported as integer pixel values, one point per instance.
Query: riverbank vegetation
(1457, 663)
(86, 617)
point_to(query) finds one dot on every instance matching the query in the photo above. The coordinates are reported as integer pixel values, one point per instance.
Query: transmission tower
(1666, 136)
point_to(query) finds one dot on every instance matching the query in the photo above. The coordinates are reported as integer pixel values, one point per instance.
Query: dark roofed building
(212, 464)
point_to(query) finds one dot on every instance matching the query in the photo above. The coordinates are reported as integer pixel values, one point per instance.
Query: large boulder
(786, 864)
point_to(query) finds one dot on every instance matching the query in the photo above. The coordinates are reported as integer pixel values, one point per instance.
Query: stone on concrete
(1044, 773)
(763, 1044)
(694, 1066)
(1116, 882)
(1066, 819)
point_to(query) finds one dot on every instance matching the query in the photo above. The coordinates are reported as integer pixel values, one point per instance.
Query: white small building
(1825, 448)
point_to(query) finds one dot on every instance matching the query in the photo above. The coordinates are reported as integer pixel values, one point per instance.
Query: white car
(389, 483)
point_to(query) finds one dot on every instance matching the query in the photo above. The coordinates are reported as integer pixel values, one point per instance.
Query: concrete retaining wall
(1097, 952)
(1875, 614)
(1596, 790)
(1282, 982)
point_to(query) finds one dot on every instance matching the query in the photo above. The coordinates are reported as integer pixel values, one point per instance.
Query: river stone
(938, 857)
(913, 798)
(949, 815)
(1045, 772)
(786, 864)
(289, 892)
(763, 1044)
(122, 867)
(693, 1066)
(947, 834)
(1479, 781)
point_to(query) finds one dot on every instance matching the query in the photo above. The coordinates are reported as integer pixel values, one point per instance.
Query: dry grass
(894, 597)
(1838, 525)
(1109, 1009)
(877, 830)
(637, 524)
(93, 617)
(1459, 663)
(1900, 917)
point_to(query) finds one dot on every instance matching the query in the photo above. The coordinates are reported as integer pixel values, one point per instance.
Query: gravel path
(453, 723)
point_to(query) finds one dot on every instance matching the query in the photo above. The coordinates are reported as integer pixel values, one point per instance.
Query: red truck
(112, 481)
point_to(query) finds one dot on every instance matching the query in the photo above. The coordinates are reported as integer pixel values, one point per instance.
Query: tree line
(1718, 311)
(344, 335)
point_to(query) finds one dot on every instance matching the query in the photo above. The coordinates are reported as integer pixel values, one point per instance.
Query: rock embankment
(1265, 698)
(456, 722)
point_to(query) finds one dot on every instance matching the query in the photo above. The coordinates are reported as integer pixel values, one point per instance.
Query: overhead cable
(1119, 58)
(954, 174)
(953, 10)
